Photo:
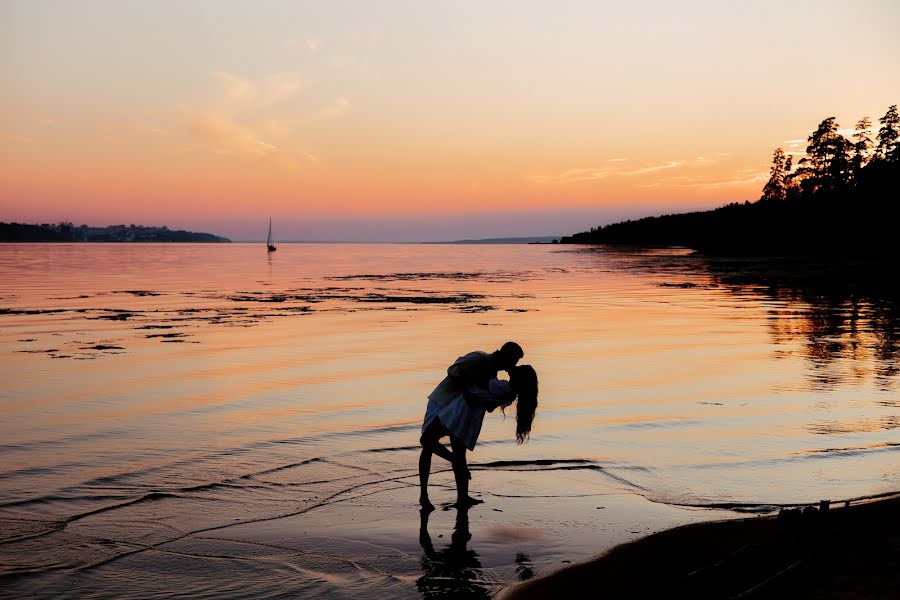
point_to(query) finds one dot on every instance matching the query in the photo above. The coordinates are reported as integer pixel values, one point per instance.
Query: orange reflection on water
(655, 364)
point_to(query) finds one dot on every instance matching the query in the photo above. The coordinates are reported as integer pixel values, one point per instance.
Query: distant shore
(846, 552)
(67, 232)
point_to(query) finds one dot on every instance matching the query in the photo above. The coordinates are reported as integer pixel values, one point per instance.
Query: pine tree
(888, 148)
(827, 164)
(775, 188)
(862, 144)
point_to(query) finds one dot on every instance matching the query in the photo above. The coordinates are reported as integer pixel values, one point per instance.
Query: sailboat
(269, 243)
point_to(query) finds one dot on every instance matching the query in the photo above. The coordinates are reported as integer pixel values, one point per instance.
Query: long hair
(525, 382)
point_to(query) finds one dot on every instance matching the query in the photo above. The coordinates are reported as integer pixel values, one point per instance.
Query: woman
(461, 419)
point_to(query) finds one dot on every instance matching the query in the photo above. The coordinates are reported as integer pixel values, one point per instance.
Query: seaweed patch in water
(138, 292)
(378, 297)
(455, 275)
(408, 276)
(31, 311)
(102, 347)
(116, 316)
(684, 285)
(476, 308)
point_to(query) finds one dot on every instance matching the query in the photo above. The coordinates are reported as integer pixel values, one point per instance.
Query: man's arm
(464, 372)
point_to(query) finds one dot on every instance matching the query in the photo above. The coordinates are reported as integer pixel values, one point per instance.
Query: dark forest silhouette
(839, 199)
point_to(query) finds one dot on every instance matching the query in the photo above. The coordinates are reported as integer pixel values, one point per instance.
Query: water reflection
(845, 315)
(454, 571)
(841, 316)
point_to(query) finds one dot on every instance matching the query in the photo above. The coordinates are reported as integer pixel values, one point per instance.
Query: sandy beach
(847, 552)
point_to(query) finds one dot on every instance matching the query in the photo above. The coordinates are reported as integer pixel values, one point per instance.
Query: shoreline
(848, 551)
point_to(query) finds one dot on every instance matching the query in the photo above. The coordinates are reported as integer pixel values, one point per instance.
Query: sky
(407, 121)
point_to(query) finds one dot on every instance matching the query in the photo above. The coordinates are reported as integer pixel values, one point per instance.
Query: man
(474, 370)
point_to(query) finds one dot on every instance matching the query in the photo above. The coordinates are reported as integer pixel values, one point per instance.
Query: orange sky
(220, 114)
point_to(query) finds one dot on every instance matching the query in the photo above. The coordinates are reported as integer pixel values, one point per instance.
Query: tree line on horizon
(839, 199)
(67, 232)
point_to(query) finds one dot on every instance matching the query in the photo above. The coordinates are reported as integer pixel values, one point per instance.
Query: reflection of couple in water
(457, 405)
(453, 571)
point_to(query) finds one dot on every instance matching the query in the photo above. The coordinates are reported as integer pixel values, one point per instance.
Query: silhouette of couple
(457, 406)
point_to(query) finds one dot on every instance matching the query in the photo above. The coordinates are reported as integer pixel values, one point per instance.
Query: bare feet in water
(466, 502)
(426, 504)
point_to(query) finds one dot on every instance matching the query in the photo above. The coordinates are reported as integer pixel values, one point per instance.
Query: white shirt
(460, 419)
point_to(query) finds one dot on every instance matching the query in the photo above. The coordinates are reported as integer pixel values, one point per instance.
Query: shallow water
(210, 419)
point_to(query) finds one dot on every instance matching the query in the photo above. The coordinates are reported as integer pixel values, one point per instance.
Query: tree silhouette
(862, 144)
(827, 164)
(889, 136)
(776, 188)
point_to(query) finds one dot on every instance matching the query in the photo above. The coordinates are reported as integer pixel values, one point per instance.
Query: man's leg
(430, 445)
(431, 440)
(424, 471)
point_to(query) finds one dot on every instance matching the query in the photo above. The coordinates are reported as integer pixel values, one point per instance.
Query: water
(210, 420)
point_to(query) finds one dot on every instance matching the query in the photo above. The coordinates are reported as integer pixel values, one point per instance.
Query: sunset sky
(419, 120)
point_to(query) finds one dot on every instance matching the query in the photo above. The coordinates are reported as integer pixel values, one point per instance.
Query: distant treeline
(66, 232)
(841, 198)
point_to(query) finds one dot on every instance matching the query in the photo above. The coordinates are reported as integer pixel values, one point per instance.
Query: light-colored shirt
(448, 404)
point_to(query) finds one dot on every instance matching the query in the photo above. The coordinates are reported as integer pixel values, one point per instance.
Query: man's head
(508, 355)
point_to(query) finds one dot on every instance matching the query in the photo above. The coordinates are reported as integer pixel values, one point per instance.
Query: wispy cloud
(335, 108)
(273, 88)
(741, 178)
(313, 45)
(234, 88)
(795, 147)
(224, 134)
(595, 173)
(672, 164)
(572, 176)
(259, 118)
(251, 118)
(279, 86)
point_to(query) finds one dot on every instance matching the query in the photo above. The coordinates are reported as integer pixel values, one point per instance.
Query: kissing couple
(457, 406)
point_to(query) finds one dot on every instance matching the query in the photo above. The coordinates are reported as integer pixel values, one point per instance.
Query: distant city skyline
(407, 121)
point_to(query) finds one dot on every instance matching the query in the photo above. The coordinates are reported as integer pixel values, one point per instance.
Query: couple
(457, 405)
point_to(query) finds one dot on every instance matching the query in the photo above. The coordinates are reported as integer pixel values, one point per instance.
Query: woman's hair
(524, 381)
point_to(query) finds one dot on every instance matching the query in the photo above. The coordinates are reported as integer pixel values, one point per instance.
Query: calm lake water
(158, 397)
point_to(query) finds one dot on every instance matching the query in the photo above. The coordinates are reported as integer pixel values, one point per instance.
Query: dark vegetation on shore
(66, 232)
(841, 199)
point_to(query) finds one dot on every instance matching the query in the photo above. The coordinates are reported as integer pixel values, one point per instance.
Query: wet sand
(845, 553)
(368, 537)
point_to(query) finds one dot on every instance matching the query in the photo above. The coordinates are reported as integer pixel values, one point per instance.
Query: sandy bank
(849, 552)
